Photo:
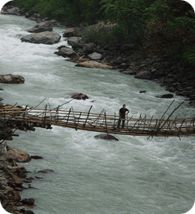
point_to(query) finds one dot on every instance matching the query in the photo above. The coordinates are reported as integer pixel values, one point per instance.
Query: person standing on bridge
(122, 114)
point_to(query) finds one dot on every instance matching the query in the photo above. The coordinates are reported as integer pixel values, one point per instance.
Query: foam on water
(135, 175)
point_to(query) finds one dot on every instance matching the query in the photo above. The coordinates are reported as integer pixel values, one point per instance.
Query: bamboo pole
(87, 116)
(78, 122)
(175, 109)
(68, 116)
(106, 123)
(114, 125)
(57, 114)
(165, 112)
(37, 105)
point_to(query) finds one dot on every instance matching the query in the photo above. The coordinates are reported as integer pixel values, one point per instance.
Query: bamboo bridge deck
(101, 122)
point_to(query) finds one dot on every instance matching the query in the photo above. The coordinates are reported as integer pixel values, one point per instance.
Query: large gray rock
(95, 56)
(88, 48)
(11, 10)
(71, 32)
(28, 201)
(11, 79)
(143, 75)
(46, 37)
(18, 155)
(79, 96)
(41, 27)
(75, 42)
(66, 52)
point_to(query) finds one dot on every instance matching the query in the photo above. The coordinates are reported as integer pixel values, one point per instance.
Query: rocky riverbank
(14, 177)
(176, 76)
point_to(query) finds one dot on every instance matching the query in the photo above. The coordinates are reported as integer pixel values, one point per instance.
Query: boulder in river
(36, 157)
(46, 37)
(11, 10)
(18, 155)
(95, 56)
(143, 75)
(11, 79)
(88, 48)
(94, 64)
(28, 201)
(142, 91)
(166, 96)
(66, 52)
(106, 137)
(19, 171)
(41, 27)
(71, 32)
(75, 42)
(79, 96)
(45, 171)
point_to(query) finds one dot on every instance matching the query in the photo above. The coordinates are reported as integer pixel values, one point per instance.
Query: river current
(136, 175)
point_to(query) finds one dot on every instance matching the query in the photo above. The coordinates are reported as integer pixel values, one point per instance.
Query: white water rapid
(133, 176)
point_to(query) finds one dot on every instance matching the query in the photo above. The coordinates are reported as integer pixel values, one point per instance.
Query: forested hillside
(165, 27)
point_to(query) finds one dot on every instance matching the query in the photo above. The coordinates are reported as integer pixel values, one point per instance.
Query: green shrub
(189, 56)
(101, 34)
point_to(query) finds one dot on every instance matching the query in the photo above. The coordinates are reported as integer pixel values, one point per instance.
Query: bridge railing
(99, 122)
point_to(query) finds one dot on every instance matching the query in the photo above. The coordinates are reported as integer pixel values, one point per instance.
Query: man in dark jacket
(122, 114)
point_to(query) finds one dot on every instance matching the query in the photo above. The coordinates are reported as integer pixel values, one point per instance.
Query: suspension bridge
(99, 122)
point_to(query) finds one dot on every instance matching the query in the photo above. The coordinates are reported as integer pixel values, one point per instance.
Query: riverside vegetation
(152, 39)
(160, 26)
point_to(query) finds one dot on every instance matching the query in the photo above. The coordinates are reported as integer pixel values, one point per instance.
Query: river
(136, 175)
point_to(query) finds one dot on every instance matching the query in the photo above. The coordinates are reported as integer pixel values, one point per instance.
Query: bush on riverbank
(73, 12)
(103, 34)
